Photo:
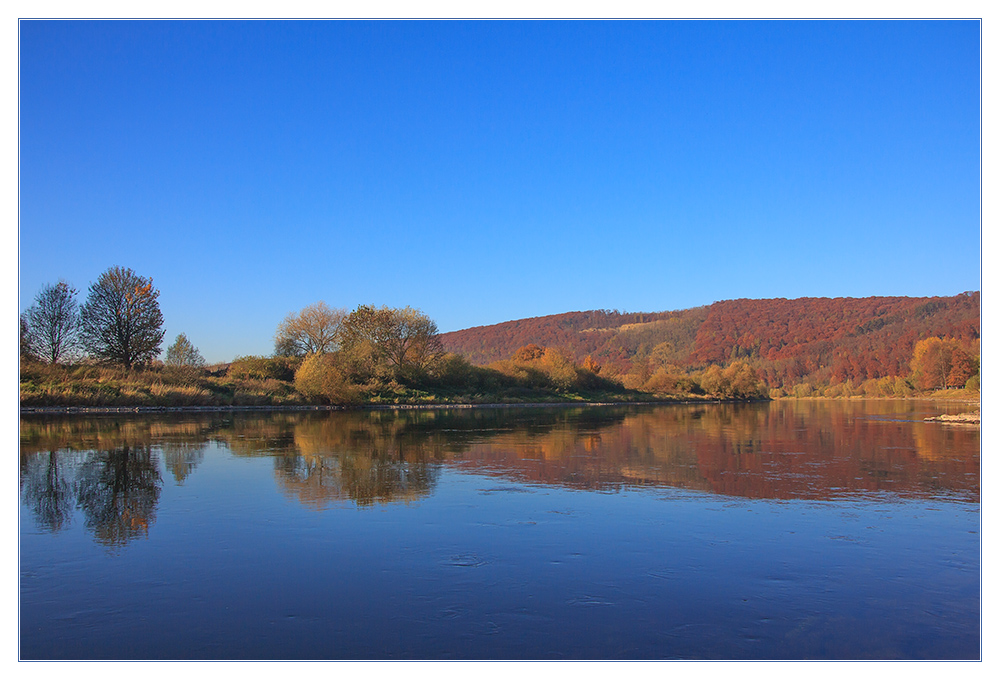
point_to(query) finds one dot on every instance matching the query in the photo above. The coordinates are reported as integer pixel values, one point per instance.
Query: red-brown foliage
(820, 340)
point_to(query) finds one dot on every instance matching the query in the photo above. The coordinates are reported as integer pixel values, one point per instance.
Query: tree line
(120, 322)
(379, 353)
(327, 353)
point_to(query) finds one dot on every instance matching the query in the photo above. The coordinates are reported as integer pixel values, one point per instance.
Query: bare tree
(414, 343)
(53, 323)
(122, 322)
(314, 330)
(26, 350)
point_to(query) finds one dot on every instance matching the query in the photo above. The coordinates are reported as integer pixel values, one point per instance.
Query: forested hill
(821, 339)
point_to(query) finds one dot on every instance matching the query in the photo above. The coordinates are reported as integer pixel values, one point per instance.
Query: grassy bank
(45, 385)
(272, 384)
(258, 382)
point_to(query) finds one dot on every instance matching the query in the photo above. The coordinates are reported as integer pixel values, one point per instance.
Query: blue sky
(490, 171)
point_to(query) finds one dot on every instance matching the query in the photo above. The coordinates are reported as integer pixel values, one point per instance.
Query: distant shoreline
(103, 410)
(99, 410)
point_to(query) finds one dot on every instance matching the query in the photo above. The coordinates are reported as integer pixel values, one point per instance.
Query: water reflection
(369, 460)
(47, 488)
(109, 467)
(181, 458)
(117, 490)
(317, 481)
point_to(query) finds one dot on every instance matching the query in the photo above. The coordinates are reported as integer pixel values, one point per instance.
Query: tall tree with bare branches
(53, 323)
(314, 330)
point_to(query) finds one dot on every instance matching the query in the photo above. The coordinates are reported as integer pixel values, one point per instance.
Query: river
(783, 530)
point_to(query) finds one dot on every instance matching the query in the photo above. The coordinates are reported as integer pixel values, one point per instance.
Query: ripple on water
(504, 489)
(589, 601)
(466, 560)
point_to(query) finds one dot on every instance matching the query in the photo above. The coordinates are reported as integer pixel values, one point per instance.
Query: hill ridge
(788, 340)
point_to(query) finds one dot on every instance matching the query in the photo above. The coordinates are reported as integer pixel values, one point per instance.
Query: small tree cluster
(533, 366)
(120, 322)
(370, 342)
(738, 380)
(940, 363)
(371, 345)
(888, 386)
(656, 372)
(381, 342)
(670, 379)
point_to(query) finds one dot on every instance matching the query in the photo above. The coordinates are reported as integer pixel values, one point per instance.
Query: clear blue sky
(484, 172)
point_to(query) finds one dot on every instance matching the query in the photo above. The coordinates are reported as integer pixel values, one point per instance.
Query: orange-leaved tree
(939, 363)
(530, 352)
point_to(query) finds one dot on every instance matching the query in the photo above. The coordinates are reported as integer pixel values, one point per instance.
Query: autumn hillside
(817, 340)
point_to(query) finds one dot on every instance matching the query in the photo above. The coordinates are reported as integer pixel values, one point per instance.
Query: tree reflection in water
(117, 492)
(48, 490)
(181, 458)
(364, 479)
(109, 467)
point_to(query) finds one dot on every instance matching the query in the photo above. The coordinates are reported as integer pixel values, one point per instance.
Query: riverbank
(91, 389)
(940, 396)
(102, 389)
(98, 410)
(963, 418)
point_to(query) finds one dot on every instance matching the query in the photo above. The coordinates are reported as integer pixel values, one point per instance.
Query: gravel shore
(961, 418)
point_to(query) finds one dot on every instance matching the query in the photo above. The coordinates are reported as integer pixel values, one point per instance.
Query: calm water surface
(791, 530)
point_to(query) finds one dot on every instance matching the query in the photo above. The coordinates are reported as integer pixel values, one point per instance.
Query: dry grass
(971, 396)
(93, 385)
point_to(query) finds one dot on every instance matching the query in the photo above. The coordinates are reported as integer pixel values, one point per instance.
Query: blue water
(487, 544)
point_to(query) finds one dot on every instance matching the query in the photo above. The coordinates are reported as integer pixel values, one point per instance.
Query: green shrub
(455, 370)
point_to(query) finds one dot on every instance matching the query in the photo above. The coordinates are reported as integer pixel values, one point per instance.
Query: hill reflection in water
(109, 466)
(790, 530)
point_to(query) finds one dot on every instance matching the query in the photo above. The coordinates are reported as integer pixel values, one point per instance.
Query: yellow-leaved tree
(321, 377)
